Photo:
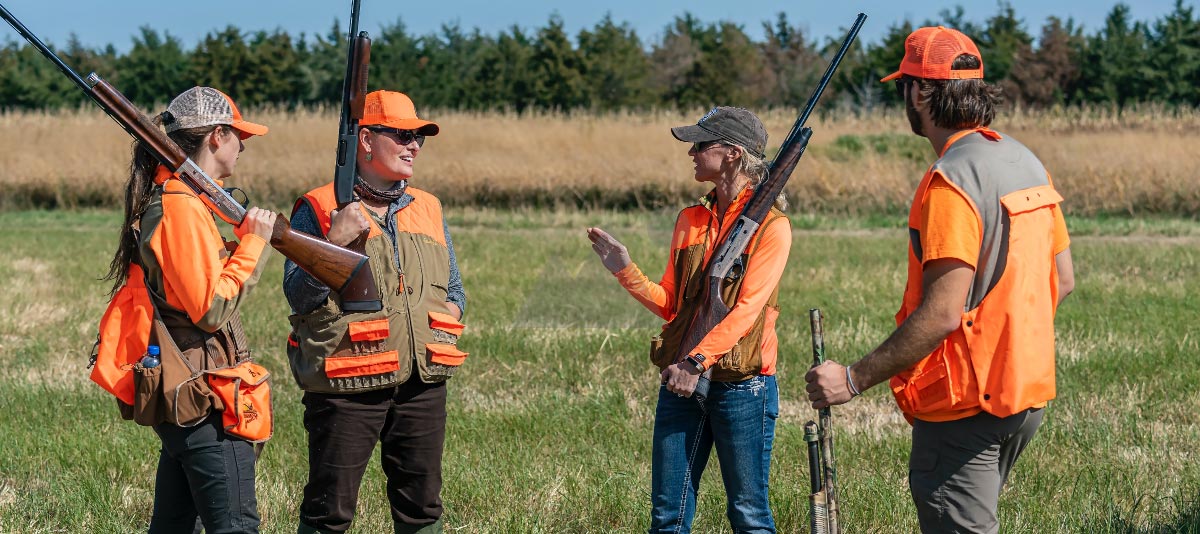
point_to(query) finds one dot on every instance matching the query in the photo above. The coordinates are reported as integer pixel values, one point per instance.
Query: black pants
(205, 479)
(409, 421)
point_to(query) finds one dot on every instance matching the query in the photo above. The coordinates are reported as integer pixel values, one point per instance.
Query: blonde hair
(756, 169)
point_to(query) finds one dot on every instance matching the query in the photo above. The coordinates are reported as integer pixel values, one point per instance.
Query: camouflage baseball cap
(727, 124)
(205, 106)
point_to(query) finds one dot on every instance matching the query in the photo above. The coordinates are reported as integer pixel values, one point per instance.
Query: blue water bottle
(151, 357)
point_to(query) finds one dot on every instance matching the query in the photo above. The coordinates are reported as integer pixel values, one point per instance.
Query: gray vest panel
(986, 171)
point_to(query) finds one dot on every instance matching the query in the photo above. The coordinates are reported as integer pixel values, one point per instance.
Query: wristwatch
(697, 360)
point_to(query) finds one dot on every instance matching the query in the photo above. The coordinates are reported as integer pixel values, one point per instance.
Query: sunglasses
(404, 137)
(704, 145)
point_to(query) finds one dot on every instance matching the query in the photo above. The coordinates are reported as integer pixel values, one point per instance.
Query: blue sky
(103, 22)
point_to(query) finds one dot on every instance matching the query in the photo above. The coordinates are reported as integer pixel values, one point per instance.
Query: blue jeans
(739, 419)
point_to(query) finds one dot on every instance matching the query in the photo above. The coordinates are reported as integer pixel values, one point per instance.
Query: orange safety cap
(245, 128)
(930, 52)
(394, 110)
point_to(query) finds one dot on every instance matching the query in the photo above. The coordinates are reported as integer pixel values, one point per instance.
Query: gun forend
(358, 75)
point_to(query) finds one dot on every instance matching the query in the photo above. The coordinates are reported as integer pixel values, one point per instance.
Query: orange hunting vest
(1000, 360)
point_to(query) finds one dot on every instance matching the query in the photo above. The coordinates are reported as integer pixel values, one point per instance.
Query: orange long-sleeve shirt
(188, 250)
(700, 224)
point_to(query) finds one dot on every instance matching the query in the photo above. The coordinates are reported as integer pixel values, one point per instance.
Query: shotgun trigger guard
(735, 271)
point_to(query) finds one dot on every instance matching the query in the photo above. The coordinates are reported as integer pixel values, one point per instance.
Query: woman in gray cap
(172, 254)
(737, 418)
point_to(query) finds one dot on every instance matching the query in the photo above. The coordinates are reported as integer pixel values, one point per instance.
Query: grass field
(550, 419)
(1136, 162)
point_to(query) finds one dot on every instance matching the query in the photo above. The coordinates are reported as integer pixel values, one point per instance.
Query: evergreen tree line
(609, 67)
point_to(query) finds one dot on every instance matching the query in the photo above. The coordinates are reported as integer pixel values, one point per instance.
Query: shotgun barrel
(332, 265)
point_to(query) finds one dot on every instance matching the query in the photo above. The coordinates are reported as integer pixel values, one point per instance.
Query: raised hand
(612, 253)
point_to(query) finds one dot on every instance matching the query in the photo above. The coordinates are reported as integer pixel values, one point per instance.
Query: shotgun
(818, 498)
(722, 266)
(822, 502)
(332, 265)
(361, 294)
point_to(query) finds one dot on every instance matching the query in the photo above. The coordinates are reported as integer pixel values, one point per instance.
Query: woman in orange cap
(378, 376)
(171, 243)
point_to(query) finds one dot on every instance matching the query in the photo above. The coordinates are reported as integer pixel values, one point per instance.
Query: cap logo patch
(710, 113)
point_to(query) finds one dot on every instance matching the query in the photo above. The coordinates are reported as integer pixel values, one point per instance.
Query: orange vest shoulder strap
(323, 200)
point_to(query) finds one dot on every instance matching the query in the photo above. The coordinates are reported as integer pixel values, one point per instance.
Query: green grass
(550, 419)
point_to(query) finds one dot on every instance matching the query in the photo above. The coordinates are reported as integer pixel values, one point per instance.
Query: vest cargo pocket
(440, 292)
(148, 406)
(928, 389)
(245, 389)
(442, 361)
(446, 328)
(445, 354)
(442, 357)
(192, 402)
(656, 348)
(362, 365)
(368, 336)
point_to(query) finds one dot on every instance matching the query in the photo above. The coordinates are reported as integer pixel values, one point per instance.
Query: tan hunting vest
(745, 359)
(335, 351)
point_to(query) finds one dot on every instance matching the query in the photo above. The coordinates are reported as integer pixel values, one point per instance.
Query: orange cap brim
(248, 129)
(893, 76)
(424, 126)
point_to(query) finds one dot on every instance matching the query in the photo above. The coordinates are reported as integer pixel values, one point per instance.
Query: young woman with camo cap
(172, 253)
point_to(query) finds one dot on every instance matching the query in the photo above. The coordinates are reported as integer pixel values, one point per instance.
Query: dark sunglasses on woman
(404, 137)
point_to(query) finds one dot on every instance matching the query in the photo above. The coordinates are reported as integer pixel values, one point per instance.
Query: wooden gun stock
(334, 266)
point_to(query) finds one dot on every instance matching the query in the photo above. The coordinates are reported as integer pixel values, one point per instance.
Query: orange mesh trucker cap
(205, 106)
(394, 110)
(929, 53)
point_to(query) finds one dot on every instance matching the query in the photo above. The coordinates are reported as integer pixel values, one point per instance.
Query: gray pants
(957, 468)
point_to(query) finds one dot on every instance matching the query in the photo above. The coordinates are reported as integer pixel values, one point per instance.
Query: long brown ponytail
(138, 192)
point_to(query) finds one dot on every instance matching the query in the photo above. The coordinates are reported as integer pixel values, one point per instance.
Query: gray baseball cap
(729, 125)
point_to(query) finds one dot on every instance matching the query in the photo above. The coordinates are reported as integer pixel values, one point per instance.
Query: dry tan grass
(1136, 162)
